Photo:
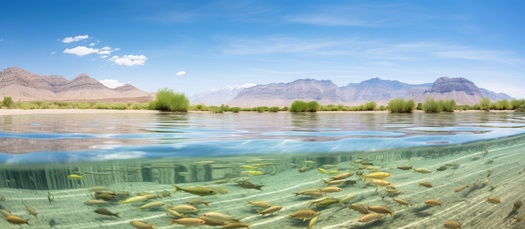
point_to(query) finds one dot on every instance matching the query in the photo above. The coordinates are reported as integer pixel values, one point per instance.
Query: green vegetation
(401, 106)
(7, 102)
(501, 105)
(301, 106)
(484, 104)
(167, 100)
(433, 106)
(518, 105)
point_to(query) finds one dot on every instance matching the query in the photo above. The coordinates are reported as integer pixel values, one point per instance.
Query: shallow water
(151, 152)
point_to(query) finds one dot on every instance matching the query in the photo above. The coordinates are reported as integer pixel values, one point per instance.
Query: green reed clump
(369, 106)
(274, 109)
(139, 106)
(26, 105)
(484, 104)
(301, 106)
(518, 105)
(401, 106)
(501, 105)
(7, 102)
(235, 109)
(167, 100)
(433, 106)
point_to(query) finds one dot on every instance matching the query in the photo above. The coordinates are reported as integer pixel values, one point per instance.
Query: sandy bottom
(470, 206)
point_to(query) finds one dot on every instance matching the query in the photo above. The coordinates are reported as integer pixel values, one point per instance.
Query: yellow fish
(134, 199)
(197, 190)
(376, 175)
(322, 170)
(252, 173)
(75, 177)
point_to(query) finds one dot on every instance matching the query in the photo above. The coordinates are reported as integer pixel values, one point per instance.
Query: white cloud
(52, 53)
(107, 50)
(110, 83)
(81, 51)
(74, 39)
(103, 56)
(92, 44)
(180, 73)
(129, 60)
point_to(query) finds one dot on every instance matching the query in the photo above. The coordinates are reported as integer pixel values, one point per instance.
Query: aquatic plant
(484, 104)
(433, 106)
(7, 102)
(167, 100)
(401, 106)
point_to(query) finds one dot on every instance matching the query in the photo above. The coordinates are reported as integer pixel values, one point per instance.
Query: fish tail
(176, 188)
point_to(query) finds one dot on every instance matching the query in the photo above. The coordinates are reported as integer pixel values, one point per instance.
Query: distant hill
(381, 91)
(23, 85)
(218, 96)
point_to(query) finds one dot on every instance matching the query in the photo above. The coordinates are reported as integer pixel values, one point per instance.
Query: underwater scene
(263, 170)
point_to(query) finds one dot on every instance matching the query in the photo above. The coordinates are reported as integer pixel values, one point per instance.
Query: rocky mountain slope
(218, 96)
(381, 91)
(22, 85)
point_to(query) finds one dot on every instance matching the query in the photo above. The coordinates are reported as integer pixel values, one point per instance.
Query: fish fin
(176, 188)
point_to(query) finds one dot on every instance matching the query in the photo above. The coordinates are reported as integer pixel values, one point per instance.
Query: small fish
(452, 224)
(183, 208)
(331, 189)
(494, 200)
(249, 167)
(342, 176)
(303, 169)
(461, 188)
(173, 212)
(310, 192)
(31, 211)
(220, 216)
(309, 162)
(517, 205)
(252, 173)
(321, 170)
(442, 168)
(404, 167)
(132, 200)
(313, 221)
(270, 210)
(13, 219)
(212, 222)
(248, 185)
(260, 204)
(188, 221)
(376, 175)
(379, 183)
(401, 201)
(197, 202)
(96, 202)
(422, 170)
(103, 211)
(347, 198)
(433, 202)
(369, 218)
(426, 184)
(75, 177)
(197, 190)
(361, 208)
(105, 195)
(156, 204)
(50, 197)
(304, 214)
(5, 213)
(141, 224)
(333, 182)
(381, 209)
(235, 225)
(164, 194)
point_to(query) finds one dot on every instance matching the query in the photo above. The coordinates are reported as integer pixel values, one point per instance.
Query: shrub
(369, 106)
(484, 104)
(7, 102)
(300, 106)
(382, 108)
(448, 105)
(139, 106)
(235, 109)
(401, 106)
(167, 100)
(432, 106)
(273, 109)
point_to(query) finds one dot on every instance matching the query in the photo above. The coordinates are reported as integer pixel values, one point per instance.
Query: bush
(167, 100)
(401, 106)
(432, 106)
(369, 106)
(300, 106)
(234, 109)
(484, 104)
(7, 102)
(273, 109)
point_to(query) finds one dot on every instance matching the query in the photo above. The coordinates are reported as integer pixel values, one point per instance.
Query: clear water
(136, 152)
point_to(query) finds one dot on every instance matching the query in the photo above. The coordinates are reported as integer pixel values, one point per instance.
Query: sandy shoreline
(102, 111)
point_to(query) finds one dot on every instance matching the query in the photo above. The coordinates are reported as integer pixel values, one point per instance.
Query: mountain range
(22, 85)
(463, 91)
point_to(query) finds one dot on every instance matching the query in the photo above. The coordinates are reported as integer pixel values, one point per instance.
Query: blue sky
(193, 46)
